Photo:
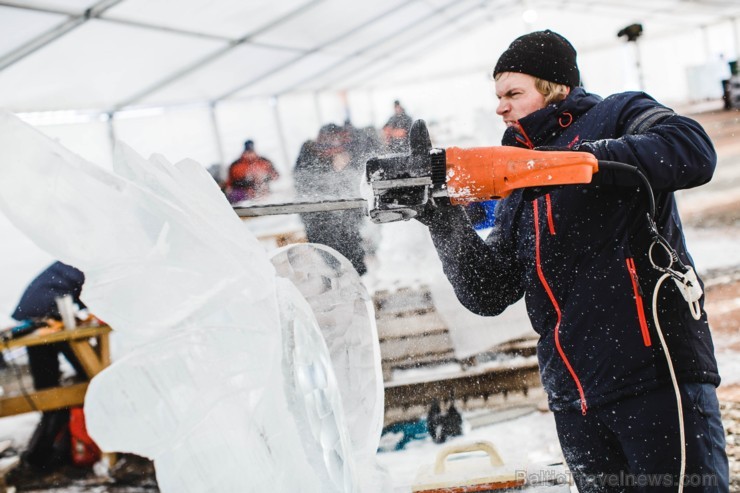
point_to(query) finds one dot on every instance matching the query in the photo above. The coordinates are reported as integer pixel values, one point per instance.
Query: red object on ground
(84, 450)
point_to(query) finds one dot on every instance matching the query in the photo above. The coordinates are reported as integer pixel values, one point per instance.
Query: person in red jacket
(249, 176)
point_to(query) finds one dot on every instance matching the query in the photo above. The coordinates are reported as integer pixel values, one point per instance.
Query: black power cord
(684, 278)
(624, 167)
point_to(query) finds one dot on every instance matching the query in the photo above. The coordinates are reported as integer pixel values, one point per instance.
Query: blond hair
(553, 92)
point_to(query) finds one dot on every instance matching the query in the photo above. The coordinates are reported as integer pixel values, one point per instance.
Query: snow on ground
(18, 428)
(522, 442)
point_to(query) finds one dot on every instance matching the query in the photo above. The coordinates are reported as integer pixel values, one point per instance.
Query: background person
(249, 176)
(396, 129)
(48, 447)
(332, 167)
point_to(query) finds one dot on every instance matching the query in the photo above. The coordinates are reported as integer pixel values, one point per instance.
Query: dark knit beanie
(542, 54)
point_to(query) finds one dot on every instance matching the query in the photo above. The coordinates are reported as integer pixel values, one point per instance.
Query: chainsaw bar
(299, 207)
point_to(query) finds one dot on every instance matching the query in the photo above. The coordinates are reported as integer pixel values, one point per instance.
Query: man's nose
(502, 107)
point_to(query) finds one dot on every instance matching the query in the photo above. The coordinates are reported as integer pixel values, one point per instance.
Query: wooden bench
(93, 358)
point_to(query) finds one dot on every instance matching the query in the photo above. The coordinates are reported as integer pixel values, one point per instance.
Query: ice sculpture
(345, 314)
(229, 385)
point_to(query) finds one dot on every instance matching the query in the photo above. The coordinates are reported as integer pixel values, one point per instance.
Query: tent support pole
(72, 22)
(371, 99)
(111, 134)
(317, 105)
(274, 101)
(705, 42)
(217, 134)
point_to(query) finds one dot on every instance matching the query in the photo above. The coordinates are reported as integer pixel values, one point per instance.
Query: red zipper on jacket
(638, 301)
(555, 305)
(524, 139)
(550, 222)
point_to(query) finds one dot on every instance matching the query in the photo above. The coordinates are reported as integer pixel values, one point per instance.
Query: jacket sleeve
(674, 152)
(485, 275)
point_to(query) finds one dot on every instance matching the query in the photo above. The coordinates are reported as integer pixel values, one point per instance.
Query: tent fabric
(109, 55)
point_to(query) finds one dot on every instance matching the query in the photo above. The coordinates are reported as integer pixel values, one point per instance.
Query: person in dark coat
(579, 255)
(49, 446)
(396, 129)
(435, 421)
(332, 167)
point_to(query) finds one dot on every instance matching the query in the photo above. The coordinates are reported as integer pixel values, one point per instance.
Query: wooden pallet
(412, 334)
(410, 331)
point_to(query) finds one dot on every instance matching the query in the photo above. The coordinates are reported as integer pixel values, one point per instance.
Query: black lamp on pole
(632, 33)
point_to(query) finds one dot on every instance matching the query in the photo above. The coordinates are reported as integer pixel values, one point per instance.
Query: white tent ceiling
(113, 54)
(195, 78)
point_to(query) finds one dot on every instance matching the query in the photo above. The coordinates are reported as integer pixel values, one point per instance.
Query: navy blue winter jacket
(38, 300)
(579, 255)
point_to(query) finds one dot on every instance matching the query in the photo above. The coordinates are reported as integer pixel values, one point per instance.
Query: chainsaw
(404, 184)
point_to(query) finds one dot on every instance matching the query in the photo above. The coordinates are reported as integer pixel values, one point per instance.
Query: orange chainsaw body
(484, 173)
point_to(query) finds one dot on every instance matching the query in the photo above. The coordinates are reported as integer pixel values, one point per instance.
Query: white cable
(673, 379)
(695, 308)
(687, 282)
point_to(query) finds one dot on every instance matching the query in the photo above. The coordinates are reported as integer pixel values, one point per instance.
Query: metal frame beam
(432, 15)
(384, 56)
(209, 58)
(158, 27)
(729, 10)
(314, 50)
(591, 48)
(662, 14)
(54, 33)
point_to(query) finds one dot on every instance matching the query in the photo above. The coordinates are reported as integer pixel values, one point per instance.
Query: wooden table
(93, 358)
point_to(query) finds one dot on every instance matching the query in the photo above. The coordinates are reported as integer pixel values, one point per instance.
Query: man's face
(517, 96)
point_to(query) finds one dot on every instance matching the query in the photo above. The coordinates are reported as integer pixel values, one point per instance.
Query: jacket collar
(543, 126)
